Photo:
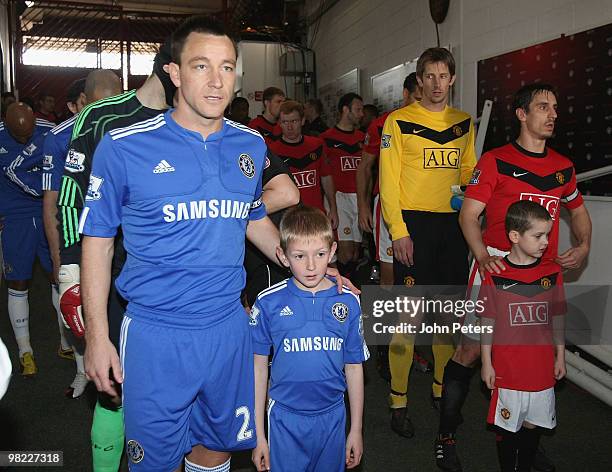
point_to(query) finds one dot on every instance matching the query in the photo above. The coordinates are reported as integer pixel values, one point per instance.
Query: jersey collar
(522, 150)
(178, 129)
(294, 289)
(518, 266)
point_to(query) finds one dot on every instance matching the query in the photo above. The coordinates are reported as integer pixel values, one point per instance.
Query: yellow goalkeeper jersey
(423, 153)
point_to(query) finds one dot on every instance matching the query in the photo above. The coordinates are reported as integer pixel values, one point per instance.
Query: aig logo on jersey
(74, 161)
(247, 166)
(93, 189)
(441, 158)
(349, 163)
(307, 178)
(340, 312)
(528, 313)
(550, 203)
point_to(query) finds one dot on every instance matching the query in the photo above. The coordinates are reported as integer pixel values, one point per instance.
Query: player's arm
(354, 440)
(329, 189)
(100, 354)
(50, 224)
(486, 340)
(364, 190)
(280, 191)
(391, 148)
(468, 160)
(261, 453)
(559, 310)
(580, 224)
(471, 209)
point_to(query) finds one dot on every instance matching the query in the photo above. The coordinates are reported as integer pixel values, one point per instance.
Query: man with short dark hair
(343, 144)
(7, 99)
(185, 187)
(525, 169)
(267, 122)
(314, 125)
(239, 111)
(46, 107)
(370, 113)
(426, 148)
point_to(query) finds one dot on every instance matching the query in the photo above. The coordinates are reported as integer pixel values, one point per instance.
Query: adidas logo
(3, 151)
(163, 167)
(286, 311)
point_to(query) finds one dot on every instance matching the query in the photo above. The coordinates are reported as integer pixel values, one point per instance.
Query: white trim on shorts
(382, 238)
(473, 290)
(348, 217)
(513, 407)
(270, 405)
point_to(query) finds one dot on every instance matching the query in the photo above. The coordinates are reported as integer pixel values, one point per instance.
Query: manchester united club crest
(457, 131)
(340, 312)
(505, 413)
(545, 283)
(313, 156)
(135, 451)
(560, 177)
(247, 166)
(347, 230)
(389, 251)
(409, 281)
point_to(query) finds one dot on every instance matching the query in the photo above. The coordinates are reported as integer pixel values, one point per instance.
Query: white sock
(80, 361)
(19, 314)
(62, 329)
(191, 467)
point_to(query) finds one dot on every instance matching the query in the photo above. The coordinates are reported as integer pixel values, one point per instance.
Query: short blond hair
(304, 222)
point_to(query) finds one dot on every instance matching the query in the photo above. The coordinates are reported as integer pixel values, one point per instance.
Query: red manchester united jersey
(523, 303)
(510, 173)
(270, 131)
(371, 142)
(343, 150)
(306, 161)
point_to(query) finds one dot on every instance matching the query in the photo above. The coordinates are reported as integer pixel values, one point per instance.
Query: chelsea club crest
(340, 312)
(247, 166)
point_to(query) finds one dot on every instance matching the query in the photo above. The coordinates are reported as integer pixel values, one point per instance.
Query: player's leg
(541, 414)
(222, 419)
(163, 372)
(107, 429)
(291, 439)
(507, 412)
(348, 239)
(19, 251)
(330, 434)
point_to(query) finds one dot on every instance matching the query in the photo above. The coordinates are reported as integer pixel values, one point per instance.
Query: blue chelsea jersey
(55, 150)
(183, 204)
(313, 336)
(20, 185)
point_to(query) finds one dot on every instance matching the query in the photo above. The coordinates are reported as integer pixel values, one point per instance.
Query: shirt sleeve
(391, 149)
(273, 166)
(356, 351)
(487, 298)
(559, 303)
(483, 180)
(258, 209)
(572, 198)
(106, 192)
(260, 332)
(53, 163)
(468, 161)
(371, 142)
(25, 171)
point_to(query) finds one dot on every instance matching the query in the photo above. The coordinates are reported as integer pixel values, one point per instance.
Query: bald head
(20, 121)
(100, 84)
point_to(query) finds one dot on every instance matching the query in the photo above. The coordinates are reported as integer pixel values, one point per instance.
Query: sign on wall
(330, 94)
(387, 87)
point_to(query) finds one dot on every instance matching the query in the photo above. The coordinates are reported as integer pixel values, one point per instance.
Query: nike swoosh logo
(506, 287)
(417, 131)
(514, 174)
(337, 145)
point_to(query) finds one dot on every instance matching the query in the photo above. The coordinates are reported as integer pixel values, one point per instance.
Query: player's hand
(101, 359)
(573, 257)
(340, 281)
(560, 369)
(490, 264)
(403, 250)
(354, 449)
(261, 455)
(365, 218)
(487, 374)
(70, 298)
(1, 222)
(333, 217)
